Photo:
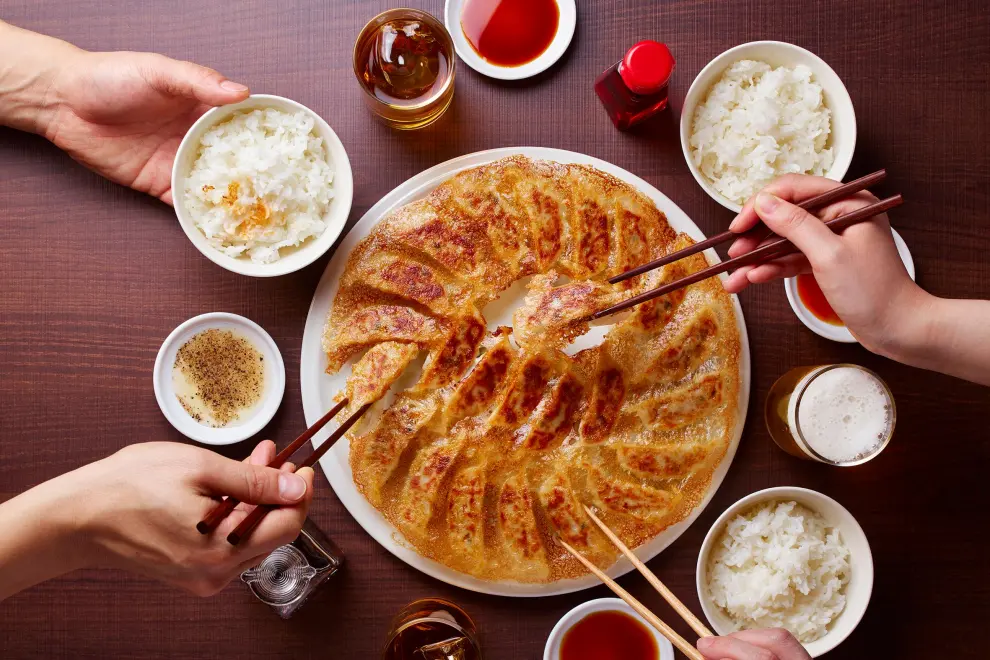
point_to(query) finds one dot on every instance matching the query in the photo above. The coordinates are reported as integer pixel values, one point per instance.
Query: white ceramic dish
(775, 53)
(292, 259)
(838, 333)
(552, 650)
(273, 390)
(318, 388)
(565, 32)
(860, 585)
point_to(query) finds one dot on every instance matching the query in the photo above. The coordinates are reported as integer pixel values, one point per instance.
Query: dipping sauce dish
(606, 629)
(232, 411)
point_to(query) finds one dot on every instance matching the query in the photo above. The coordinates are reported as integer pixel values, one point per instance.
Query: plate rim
(338, 472)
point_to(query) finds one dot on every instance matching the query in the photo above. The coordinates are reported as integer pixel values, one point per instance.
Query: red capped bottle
(635, 88)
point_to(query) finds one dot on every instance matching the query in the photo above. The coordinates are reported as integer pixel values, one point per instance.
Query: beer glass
(839, 414)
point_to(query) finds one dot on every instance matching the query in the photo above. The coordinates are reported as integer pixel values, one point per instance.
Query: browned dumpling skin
(521, 539)
(375, 324)
(466, 514)
(553, 316)
(672, 461)
(374, 373)
(503, 438)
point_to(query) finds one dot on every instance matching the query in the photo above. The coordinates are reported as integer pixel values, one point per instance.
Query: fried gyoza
(504, 439)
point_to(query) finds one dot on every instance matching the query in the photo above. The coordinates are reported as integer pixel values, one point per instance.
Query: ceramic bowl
(239, 430)
(775, 53)
(292, 259)
(860, 560)
(552, 650)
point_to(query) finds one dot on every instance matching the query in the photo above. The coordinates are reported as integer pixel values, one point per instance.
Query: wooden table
(94, 276)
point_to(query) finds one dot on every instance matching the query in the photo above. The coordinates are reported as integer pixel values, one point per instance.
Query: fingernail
(291, 487)
(732, 225)
(704, 643)
(232, 86)
(767, 202)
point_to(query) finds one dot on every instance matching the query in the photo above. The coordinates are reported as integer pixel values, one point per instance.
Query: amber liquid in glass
(404, 61)
(775, 410)
(432, 629)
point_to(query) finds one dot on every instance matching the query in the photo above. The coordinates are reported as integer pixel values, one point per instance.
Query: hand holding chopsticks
(224, 509)
(769, 251)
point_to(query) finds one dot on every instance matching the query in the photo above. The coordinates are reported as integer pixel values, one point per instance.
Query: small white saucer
(838, 333)
(274, 386)
(552, 650)
(562, 39)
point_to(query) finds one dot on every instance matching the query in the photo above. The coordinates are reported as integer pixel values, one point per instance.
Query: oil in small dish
(510, 32)
(218, 377)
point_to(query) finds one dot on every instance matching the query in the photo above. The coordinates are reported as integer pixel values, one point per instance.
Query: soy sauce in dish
(608, 635)
(814, 299)
(510, 32)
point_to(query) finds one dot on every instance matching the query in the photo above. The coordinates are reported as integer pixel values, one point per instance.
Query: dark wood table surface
(94, 276)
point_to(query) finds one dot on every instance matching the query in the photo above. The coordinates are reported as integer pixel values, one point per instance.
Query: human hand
(859, 271)
(124, 114)
(138, 510)
(771, 644)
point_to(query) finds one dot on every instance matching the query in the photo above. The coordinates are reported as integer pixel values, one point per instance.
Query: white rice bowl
(261, 182)
(758, 122)
(780, 565)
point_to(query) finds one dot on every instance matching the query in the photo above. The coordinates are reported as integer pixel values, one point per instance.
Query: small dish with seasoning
(219, 378)
(606, 629)
(812, 309)
(510, 39)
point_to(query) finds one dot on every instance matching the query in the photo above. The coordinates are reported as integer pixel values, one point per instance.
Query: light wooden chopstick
(665, 630)
(679, 607)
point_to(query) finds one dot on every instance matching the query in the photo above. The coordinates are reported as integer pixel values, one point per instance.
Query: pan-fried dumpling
(466, 515)
(501, 439)
(522, 545)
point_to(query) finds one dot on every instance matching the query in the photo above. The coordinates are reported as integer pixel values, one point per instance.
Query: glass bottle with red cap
(635, 88)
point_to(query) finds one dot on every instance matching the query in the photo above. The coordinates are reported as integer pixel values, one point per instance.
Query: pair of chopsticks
(696, 625)
(210, 522)
(767, 252)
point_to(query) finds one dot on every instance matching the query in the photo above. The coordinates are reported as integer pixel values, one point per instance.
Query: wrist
(30, 67)
(911, 328)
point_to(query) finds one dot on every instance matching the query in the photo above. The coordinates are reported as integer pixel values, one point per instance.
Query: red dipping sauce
(608, 635)
(510, 32)
(811, 295)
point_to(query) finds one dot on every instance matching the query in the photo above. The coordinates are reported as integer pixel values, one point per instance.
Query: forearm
(29, 65)
(949, 336)
(41, 537)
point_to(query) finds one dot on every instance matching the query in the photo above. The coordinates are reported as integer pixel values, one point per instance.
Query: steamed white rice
(757, 123)
(780, 565)
(262, 181)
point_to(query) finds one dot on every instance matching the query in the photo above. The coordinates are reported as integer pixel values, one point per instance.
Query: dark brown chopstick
(259, 512)
(760, 231)
(222, 510)
(772, 250)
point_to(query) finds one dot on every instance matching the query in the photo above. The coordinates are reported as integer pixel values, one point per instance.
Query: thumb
(807, 232)
(255, 484)
(180, 78)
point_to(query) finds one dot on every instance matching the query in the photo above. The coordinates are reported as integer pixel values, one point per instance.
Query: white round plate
(318, 388)
(468, 55)
(839, 333)
(243, 429)
(552, 649)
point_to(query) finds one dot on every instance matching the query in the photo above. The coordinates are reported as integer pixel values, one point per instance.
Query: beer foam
(844, 414)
